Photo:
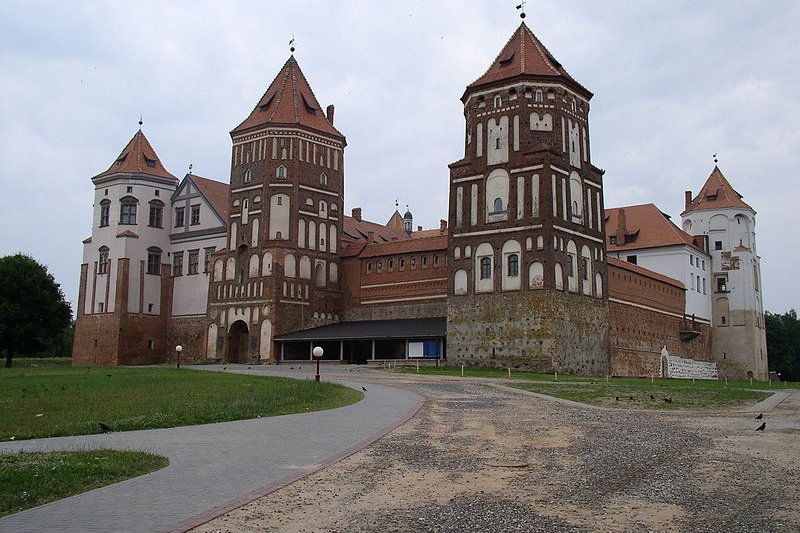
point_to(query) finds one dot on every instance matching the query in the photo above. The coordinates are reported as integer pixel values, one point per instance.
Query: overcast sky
(674, 82)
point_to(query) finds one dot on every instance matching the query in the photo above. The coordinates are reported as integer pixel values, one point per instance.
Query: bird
(631, 397)
(224, 368)
(364, 388)
(617, 397)
(248, 368)
(760, 416)
(668, 400)
(105, 428)
(761, 427)
(291, 368)
(652, 397)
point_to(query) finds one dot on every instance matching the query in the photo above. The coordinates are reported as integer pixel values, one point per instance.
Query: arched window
(486, 267)
(369, 267)
(154, 261)
(127, 211)
(323, 179)
(379, 266)
(280, 173)
(498, 205)
(498, 102)
(278, 236)
(105, 209)
(102, 262)
(247, 175)
(538, 98)
(513, 265)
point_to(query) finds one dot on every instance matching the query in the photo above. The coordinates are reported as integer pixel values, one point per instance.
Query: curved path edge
(202, 518)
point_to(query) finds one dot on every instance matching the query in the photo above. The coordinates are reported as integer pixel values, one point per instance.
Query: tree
(33, 312)
(783, 344)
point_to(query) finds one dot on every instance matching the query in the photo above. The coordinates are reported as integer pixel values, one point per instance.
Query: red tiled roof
(717, 193)
(613, 261)
(217, 193)
(405, 247)
(289, 100)
(428, 233)
(524, 54)
(395, 221)
(138, 157)
(355, 230)
(650, 227)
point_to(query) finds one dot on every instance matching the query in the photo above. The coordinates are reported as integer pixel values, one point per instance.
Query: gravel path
(483, 459)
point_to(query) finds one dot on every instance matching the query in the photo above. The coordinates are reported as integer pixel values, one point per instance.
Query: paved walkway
(217, 467)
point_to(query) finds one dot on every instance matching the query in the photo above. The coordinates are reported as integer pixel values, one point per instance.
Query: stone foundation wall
(191, 334)
(542, 331)
(95, 341)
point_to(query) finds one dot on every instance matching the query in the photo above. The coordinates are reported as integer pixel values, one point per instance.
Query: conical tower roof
(717, 193)
(525, 55)
(289, 101)
(138, 157)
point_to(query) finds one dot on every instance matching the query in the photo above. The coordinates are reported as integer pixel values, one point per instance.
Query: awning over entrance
(372, 329)
(362, 341)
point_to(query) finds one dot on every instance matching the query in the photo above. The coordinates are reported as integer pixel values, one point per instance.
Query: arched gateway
(237, 343)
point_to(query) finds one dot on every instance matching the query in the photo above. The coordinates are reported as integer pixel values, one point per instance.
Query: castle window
(248, 175)
(538, 99)
(102, 263)
(194, 261)
(402, 264)
(195, 215)
(179, 217)
(413, 263)
(435, 260)
(280, 173)
(207, 259)
(585, 268)
(177, 264)
(130, 190)
(278, 235)
(497, 143)
(481, 102)
(612, 239)
(498, 205)
(156, 214)
(323, 179)
(279, 200)
(127, 214)
(486, 267)
(498, 101)
(570, 265)
(105, 209)
(513, 265)
(632, 259)
(154, 261)
(390, 265)
(369, 267)
(424, 261)
(718, 245)
(282, 142)
(722, 284)
(379, 266)
(100, 307)
(158, 192)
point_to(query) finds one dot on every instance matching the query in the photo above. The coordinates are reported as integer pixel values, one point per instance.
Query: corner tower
(528, 276)
(280, 272)
(125, 292)
(723, 218)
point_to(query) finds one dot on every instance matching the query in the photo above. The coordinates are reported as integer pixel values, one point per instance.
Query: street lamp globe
(318, 351)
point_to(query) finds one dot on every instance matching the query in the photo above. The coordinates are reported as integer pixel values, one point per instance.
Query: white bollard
(462, 371)
(509, 372)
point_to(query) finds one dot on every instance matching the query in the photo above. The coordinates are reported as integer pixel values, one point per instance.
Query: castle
(529, 270)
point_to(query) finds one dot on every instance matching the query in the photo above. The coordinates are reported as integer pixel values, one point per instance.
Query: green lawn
(35, 362)
(632, 392)
(28, 479)
(54, 401)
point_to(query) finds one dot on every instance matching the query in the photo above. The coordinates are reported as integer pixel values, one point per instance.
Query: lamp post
(179, 349)
(317, 353)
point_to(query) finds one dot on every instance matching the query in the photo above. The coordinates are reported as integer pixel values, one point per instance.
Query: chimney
(621, 228)
(419, 228)
(329, 114)
(370, 237)
(442, 225)
(687, 199)
(356, 213)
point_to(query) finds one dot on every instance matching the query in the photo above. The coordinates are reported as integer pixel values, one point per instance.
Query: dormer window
(507, 61)
(150, 162)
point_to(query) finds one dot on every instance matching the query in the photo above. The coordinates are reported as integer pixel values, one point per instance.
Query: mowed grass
(55, 401)
(28, 479)
(624, 392)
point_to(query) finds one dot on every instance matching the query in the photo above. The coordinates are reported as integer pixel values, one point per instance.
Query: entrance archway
(237, 343)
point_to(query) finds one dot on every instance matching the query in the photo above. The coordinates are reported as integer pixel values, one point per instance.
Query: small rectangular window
(195, 215)
(718, 245)
(207, 259)
(177, 264)
(194, 260)
(154, 263)
(632, 259)
(179, 217)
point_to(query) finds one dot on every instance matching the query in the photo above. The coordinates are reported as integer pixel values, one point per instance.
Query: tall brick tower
(281, 270)
(125, 294)
(528, 284)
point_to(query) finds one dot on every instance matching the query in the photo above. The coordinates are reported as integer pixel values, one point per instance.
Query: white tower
(728, 224)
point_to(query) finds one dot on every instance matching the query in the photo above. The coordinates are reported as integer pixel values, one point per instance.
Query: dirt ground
(484, 459)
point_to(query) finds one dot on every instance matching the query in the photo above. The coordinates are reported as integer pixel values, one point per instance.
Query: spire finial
(190, 169)
(140, 122)
(715, 158)
(291, 44)
(396, 203)
(521, 7)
